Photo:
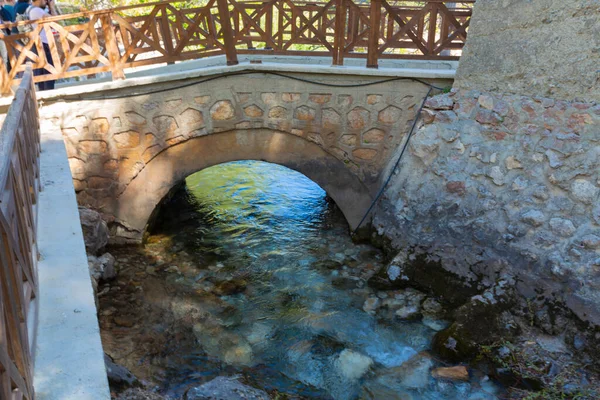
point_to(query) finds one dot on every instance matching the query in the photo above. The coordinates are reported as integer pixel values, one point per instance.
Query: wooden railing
(88, 43)
(19, 186)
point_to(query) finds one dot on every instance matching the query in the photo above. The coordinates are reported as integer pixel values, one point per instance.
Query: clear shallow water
(278, 255)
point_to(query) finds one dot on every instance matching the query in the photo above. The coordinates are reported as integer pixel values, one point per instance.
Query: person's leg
(49, 85)
(4, 53)
(37, 71)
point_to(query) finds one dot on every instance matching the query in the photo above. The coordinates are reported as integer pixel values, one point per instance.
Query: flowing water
(275, 290)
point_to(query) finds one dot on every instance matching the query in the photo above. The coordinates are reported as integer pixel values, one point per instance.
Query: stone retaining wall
(499, 185)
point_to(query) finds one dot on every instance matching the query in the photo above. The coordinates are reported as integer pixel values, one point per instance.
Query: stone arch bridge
(128, 146)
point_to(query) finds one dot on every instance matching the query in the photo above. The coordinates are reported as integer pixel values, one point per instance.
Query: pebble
(371, 305)
(457, 373)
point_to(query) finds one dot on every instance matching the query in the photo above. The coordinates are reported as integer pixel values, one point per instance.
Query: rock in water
(457, 373)
(353, 365)
(413, 374)
(226, 388)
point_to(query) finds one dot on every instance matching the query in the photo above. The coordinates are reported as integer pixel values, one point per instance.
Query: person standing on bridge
(37, 12)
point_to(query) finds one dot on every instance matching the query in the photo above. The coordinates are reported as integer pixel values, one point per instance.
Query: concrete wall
(342, 137)
(547, 48)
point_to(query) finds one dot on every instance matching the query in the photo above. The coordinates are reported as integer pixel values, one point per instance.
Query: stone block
(364, 154)
(331, 119)
(93, 146)
(99, 126)
(389, 115)
(373, 136)
(222, 110)
(253, 111)
(278, 112)
(269, 98)
(166, 125)
(305, 113)
(358, 118)
(127, 139)
(290, 97)
(374, 99)
(135, 119)
(348, 140)
(319, 98)
(203, 100)
(191, 119)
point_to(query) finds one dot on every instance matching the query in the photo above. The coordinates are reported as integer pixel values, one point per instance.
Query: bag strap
(28, 11)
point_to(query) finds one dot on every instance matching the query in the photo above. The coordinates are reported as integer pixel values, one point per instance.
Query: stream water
(255, 266)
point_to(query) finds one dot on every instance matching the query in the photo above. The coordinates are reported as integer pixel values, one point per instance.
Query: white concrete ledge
(68, 355)
(211, 66)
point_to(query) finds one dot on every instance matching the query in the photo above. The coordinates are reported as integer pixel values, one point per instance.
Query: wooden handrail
(19, 186)
(91, 42)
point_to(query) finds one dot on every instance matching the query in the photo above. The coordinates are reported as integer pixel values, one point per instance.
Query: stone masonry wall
(499, 185)
(534, 48)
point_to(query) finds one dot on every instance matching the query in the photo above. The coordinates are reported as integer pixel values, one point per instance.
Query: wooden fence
(88, 43)
(19, 186)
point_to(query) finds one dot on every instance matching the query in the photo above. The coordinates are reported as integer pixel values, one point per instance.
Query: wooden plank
(340, 29)
(375, 20)
(165, 31)
(112, 49)
(432, 30)
(228, 38)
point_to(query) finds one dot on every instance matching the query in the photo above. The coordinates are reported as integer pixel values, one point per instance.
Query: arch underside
(136, 204)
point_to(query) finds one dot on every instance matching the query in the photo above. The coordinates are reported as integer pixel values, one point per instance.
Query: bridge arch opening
(140, 199)
(251, 202)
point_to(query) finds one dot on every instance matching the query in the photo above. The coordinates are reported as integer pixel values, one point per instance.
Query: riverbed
(250, 271)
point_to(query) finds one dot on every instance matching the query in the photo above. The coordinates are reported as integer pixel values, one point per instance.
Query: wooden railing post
(433, 15)
(112, 48)
(339, 42)
(375, 20)
(228, 39)
(165, 31)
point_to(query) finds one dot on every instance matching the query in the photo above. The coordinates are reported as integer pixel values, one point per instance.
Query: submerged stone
(352, 365)
(457, 373)
(229, 388)
(413, 374)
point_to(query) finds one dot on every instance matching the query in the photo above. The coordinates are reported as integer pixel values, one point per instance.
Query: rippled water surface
(279, 291)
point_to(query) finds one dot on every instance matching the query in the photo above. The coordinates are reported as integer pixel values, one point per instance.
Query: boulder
(103, 267)
(226, 388)
(481, 321)
(95, 230)
(119, 376)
